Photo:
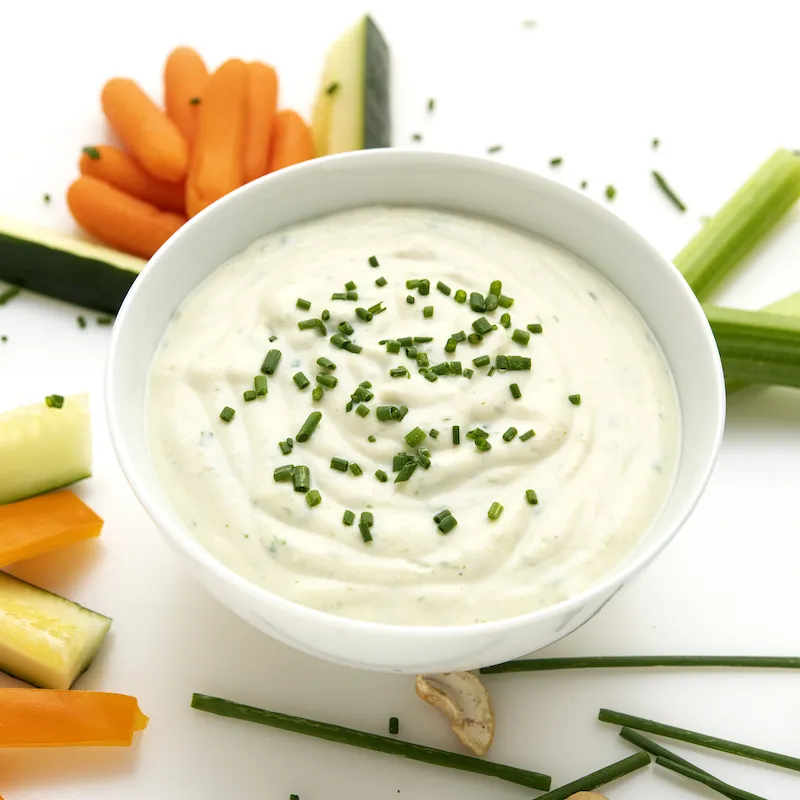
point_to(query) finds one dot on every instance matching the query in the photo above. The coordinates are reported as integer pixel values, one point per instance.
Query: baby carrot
(262, 101)
(118, 219)
(146, 130)
(185, 78)
(291, 141)
(216, 167)
(115, 166)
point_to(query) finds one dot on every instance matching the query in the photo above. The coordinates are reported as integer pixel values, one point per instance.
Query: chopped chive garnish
(366, 534)
(405, 341)
(348, 518)
(509, 434)
(407, 471)
(460, 296)
(482, 326)
(427, 312)
(556, 162)
(441, 515)
(424, 457)
(515, 391)
(433, 433)
(283, 473)
(412, 283)
(351, 294)
(381, 475)
(346, 329)
(483, 445)
(415, 437)
(456, 434)
(468, 373)
(516, 362)
(530, 496)
(478, 433)
(92, 152)
(451, 345)
(385, 413)
(371, 438)
(290, 441)
(575, 399)
(535, 327)
(316, 393)
(492, 301)
(367, 518)
(352, 347)
(424, 286)
(325, 363)
(327, 380)
(523, 437)
(373, 261)
(447, 524)
(399, 372)
(481, 361)
(443, 288)
(422, 339)
(431, 376)
(362, 410)
(301, 478)
(668, 191)
(332, 88)
(505, 302)
(392, 346)
(273, 338)
(249, 395)
(491, 371)
(285, 447)
(339, 296)
(362, 313)
(380, 281)
(411, 352)
(350, 286)
(496, 287)
(477, 302)
(401, 412)
(325, 315)
(99, 320)
(441, 369)
(584, 184)
(304, 304)
(495, 510)
(260, 385)
(501, 362)
(394, 723)
(505, 320)
(309, 426)
(611, 192)
(300, 380)
(356, 470)
(410, 299)
(459, 336)
(400, 460)
(226, 415)
(312, 324)
(495, 148)
(271, 362)
(339, 464)
(521, 337)
(455, 367)
(81, 320)
(313, 498)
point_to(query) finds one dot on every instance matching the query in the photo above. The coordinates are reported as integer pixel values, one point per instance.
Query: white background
(593, 82)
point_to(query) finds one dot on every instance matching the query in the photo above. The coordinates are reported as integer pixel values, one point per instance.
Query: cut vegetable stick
(146, 130)
(185, 78)
(292, 141)
(115, 166)
(40, 524)
(741, 223)
(52, 718)
(118, 219)
(262, 101)
(217, 167)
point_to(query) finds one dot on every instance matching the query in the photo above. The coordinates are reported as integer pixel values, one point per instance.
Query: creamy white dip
(601, 470)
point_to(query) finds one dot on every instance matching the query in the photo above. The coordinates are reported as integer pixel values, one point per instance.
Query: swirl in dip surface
(601, 469)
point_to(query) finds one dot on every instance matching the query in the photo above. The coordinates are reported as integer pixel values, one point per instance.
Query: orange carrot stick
(118, 219)
(262, 102)
(115, 166)
(291, 141)
(40, 524)
(216, 167)
(54, 718)
(185, 78)
(147, 131)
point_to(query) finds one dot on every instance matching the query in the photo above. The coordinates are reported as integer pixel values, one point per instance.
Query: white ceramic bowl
(472, 185)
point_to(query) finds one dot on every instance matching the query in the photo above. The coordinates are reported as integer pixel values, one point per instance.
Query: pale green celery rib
(741, 223)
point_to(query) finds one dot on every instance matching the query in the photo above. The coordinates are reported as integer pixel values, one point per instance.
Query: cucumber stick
(46, 640)
(66, 268)
(44, 448)
(352, 111)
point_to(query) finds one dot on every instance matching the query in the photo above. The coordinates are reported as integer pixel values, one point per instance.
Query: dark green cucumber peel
(377, 113)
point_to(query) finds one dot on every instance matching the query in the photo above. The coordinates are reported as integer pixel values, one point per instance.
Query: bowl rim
(179, 535)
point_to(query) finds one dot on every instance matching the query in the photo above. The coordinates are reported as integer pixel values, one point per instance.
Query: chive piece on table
(741, 223)
(368, 741)
(284, 473)
(260, 385)
(271, 362)
(424, 458)
(443, 288)
(535, 327)
(495, 509)
(227, 414)
(309, 426)
(415, 437)
(703, 740)
(599, 778)
(381, 475)
(348, 518)
(575, 399)
(705, 779)
(313, 498)
(405, 341)
(339, 464)
(460, 296)
(304, 304)
(249, 395)
(427, 312)
(521, 337)
(373, 261)
(301, 479)
(476, 302)
(456, 434)
(394, 726)
(447, 524)
(516, 393)
(366, 533)
(300, 380)
(668, 190)
(356, 469)
(523, 437)
(491, 371)
(531, 497)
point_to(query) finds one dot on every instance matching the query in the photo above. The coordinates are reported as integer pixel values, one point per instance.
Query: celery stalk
(741, 223)
(757, 346)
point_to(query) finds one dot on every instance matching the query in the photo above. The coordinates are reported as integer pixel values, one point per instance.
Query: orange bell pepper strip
(40, 524)
(52, 718)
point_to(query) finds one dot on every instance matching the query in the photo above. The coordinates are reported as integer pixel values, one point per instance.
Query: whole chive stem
(629, 662)
(662, 184)
(707, 780)
(701, 739)
(599, 778)
(736, 229)
(370, 741)
(309, 426)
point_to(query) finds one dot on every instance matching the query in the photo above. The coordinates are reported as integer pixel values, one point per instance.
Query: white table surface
(592, 82)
